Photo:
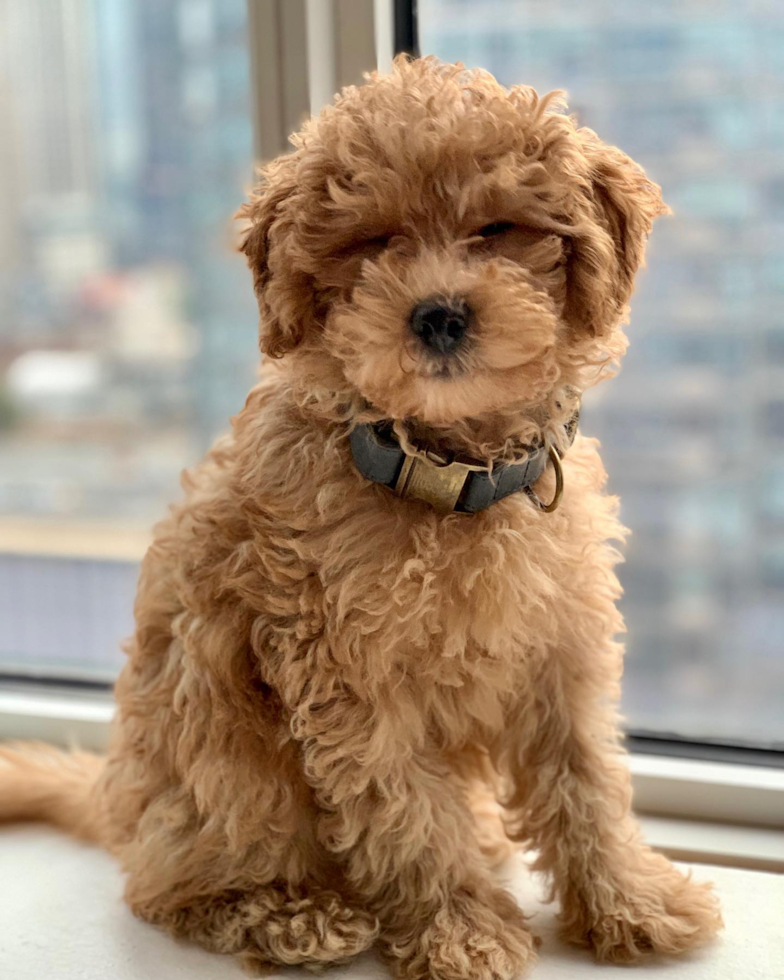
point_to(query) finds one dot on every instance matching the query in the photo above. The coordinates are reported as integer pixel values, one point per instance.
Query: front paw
(469, 938)
(656, 911)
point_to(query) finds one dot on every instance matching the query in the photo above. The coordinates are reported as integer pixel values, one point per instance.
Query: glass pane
(127, 321)
(693, 428)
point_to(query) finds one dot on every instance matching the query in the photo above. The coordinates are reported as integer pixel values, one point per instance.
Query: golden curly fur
(322, 673)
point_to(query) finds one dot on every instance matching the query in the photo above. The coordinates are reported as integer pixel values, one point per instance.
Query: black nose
(440, 326)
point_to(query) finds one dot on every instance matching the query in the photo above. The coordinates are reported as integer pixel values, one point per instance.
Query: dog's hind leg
(274, 924)
(268, 899)
(217, 834)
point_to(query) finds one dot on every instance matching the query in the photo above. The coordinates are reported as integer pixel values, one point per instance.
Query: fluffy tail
(40, 782)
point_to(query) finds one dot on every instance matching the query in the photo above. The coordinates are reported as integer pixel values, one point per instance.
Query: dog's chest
(457, 597)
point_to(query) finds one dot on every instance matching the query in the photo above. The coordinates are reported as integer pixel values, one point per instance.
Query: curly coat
(321, 671)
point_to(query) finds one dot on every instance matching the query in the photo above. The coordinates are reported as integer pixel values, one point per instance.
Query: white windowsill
(709, 842)
(692, 810)
(44, 933)
(72, 718)
(700, 790)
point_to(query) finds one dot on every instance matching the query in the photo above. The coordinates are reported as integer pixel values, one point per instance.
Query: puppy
(394, 577)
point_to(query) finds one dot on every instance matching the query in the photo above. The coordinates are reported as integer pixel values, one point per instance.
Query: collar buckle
(430, 477)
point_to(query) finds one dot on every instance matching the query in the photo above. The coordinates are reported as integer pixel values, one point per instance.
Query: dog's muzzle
(453, 485)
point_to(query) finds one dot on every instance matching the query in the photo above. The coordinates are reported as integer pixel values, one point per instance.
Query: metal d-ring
(555, 459)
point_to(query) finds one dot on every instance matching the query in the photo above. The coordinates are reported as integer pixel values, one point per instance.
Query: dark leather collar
(450, 485)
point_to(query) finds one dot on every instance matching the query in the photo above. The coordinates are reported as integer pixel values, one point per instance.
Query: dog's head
(441, 250)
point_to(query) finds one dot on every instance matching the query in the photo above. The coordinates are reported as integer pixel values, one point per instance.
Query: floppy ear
(609, 248)
(282, 294)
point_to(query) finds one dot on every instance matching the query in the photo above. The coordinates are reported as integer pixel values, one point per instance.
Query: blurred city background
(128, 327)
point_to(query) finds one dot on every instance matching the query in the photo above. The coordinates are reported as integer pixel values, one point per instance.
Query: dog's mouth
(440, 366)
(443, 368)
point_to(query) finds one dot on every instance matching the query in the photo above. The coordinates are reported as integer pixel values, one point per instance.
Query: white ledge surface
(62, 918)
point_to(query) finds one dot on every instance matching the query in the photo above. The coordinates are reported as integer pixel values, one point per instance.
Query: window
(692, 427)
(127, 323)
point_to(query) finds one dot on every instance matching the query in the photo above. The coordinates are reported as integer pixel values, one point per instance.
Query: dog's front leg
(406, 841)
(571, 800)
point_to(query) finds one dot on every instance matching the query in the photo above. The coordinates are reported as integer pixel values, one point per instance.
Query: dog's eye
(495, 228)
(377, 244)
(364, 247)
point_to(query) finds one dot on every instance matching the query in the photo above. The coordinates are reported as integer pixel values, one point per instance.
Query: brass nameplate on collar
(438, 483)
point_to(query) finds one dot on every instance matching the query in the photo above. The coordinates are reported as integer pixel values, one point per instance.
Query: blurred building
(129, 148)
(49, 234)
